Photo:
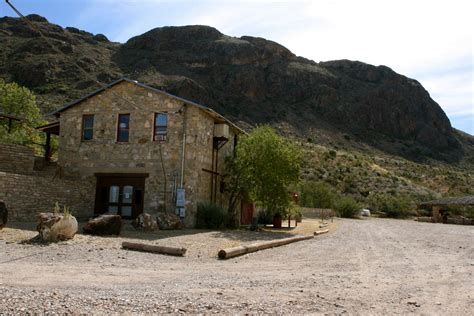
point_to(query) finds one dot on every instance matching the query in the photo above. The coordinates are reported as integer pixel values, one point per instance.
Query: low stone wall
(16, 159)
(317, 212)
(28, 195)
(460, 221)
(450, 220)
(425, 219)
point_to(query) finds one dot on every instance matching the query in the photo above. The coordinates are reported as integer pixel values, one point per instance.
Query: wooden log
(241, 250)
(154, 248)
(320, 232)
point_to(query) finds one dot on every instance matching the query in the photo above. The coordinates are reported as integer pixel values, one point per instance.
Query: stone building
(143, 149)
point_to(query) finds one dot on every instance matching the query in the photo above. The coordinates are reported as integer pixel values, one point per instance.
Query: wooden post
(47, 147)
(320, 232)
(241, 250)
(435, 213)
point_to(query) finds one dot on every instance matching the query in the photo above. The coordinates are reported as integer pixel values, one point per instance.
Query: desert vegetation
(387, 184)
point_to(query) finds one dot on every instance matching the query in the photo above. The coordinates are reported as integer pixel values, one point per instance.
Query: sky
(427, 40)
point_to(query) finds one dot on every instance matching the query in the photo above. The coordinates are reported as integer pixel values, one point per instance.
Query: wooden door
(120, 194)
(246, 213)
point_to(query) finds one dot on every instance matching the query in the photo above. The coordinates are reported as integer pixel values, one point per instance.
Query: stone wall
(27, 195)
(141, 154)
(16, 159)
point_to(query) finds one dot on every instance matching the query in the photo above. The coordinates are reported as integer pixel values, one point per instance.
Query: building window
(87, 127)
(123, 127)
(161, 125)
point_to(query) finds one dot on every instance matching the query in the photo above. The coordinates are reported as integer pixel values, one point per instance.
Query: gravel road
(372, 266)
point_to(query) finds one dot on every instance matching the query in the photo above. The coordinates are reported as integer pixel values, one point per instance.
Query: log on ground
(241, 250)
(320, 232)
(172, 251)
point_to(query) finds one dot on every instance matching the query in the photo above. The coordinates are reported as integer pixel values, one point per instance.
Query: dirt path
(365, 267)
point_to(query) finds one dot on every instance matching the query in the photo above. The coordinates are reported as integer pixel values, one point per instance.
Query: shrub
(460, 211)
(392, 205)
(210, 216)
(265, 217)
(347, 207)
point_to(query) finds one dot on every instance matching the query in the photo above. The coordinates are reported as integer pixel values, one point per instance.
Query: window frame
(117, 139)
(83, 127)
(162, 137)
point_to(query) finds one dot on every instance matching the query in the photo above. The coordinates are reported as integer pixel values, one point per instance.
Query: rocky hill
(337, 104)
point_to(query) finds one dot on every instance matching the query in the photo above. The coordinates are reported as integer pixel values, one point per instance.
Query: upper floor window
(161, 125)
(87, 127)
(123, 127)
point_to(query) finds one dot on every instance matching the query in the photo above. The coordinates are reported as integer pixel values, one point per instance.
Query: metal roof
(52, 128)
(9, 116)
(460, 201)
(202, 107)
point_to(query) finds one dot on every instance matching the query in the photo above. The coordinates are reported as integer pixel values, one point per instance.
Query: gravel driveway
(372, 266)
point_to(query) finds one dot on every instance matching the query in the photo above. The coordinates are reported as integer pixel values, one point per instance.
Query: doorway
(120, 194)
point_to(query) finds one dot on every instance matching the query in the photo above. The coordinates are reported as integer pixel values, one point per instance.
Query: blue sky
(431, 41)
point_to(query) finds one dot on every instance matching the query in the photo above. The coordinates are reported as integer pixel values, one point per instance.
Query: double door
(120, 194)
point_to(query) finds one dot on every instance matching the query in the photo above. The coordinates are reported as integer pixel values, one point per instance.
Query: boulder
(168, 221)
(54, 227)
(145, 221)
(104, 225)
(3, 214)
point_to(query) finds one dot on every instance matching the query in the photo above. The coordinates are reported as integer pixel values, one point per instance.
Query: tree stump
(104, 225)
(3, 214)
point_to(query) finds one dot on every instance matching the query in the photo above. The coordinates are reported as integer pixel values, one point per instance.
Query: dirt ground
(370, 266)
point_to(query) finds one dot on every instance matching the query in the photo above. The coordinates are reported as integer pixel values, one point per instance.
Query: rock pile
(169, 221)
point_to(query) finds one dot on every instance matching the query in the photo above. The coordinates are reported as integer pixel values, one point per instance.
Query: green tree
(265, 166)
(20, 102)
(317, 194)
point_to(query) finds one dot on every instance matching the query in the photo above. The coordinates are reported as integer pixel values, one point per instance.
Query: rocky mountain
(251, 80)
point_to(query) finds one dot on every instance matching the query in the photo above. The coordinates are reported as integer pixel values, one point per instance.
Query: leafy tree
(235, 187)
(20, 102)
(317, 194)
(264, 166)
